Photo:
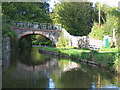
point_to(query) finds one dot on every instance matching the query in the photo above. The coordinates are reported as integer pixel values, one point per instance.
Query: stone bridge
(53, 32)
(46, 29)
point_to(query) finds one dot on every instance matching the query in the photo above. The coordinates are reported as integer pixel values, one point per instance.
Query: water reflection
(34, 70)
(68, 65)
(48, 66)
(51, 83)
(85, 77)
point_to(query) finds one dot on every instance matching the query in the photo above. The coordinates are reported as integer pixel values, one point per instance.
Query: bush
(7, 32)
(62, 41)
(96, 33)
(110, 23)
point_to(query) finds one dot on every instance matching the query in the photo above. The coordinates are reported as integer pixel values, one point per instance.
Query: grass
(107, 58)
(108, 49)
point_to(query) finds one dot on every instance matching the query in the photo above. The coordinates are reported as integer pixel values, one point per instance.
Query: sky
(52, 2)
(108, 2)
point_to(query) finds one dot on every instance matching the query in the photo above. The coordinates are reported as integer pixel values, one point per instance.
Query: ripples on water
(31, 69)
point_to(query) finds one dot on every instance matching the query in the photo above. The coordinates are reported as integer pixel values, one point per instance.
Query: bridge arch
(25, 34)
(53, 35)
(42, 36)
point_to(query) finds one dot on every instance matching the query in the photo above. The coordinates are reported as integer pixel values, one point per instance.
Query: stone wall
(77, 41)
(6, 48)
(83, 41)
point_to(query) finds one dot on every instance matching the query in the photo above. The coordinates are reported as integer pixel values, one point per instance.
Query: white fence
(95, 44)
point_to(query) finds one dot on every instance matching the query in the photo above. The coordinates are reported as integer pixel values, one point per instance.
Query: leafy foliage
(41, 40)
(7, 31)
(62, 41)
(26, 11)
(110, 22)
(75, 17)
(96, 33)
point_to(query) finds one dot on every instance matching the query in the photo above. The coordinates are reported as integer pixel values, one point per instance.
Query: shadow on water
(30, 69)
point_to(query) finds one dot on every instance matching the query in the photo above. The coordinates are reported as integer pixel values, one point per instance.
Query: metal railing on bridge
(35, 25)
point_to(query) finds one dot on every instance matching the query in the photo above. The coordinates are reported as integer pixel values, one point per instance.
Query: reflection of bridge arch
(48, 66)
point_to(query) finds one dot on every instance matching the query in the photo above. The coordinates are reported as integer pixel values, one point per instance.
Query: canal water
(30, 69)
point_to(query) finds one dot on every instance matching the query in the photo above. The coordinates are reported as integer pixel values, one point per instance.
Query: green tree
(75, 17)
(109, 21)
(42, 40)
(26, 11)
(96, 33)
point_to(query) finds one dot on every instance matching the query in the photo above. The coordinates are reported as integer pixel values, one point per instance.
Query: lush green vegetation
(6, 31)
(62, 41)
(42, 40)
(108, 59)
(82, 19)
(23, 11)
(108, 49)
(110, 22)
(26, 11)
(75, 17)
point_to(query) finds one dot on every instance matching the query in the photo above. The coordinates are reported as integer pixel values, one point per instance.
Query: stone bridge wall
(83, 42)
(53, 32)
(77, 41)
(53, 35)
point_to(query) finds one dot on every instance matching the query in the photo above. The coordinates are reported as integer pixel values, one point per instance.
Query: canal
(30, 69)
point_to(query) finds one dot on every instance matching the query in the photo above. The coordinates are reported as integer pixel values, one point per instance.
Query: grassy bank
(103, 57)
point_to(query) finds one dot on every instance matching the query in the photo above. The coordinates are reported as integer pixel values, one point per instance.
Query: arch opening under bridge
(28, 40)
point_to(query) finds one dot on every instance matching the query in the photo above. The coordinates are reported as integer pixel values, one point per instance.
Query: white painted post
(113, 35)
(114, 39)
